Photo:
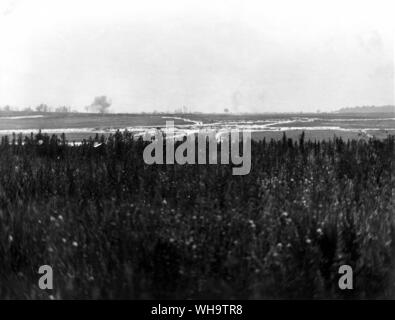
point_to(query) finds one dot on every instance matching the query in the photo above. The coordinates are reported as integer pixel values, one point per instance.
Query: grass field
(113, 227)
(79, 126)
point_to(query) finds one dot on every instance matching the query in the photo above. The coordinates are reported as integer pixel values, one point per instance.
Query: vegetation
(113, 227)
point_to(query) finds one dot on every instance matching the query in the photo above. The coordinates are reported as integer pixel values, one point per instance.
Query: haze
(247, 56)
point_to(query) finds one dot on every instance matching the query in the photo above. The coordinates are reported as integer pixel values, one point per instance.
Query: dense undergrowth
(112, 226)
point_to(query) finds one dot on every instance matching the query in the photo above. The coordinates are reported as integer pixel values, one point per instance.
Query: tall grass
(113, 227)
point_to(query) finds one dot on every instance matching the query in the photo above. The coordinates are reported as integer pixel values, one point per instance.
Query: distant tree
(27, 109)
(226, 110)
(62, 109)
(42, 108)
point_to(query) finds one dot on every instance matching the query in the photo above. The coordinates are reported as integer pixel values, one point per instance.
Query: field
(114, 227)
(79, 126)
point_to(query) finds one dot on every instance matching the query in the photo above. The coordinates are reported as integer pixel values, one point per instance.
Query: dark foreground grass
(113, 227)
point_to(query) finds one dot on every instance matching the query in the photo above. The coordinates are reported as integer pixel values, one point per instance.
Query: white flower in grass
(252, 224)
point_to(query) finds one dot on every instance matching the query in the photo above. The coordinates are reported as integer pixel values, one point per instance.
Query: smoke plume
(100, 104)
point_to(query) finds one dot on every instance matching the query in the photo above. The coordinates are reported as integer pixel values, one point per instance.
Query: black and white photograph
(190, 150)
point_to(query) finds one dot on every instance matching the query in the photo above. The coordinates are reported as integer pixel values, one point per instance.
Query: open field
(112, 226)
(78, 126)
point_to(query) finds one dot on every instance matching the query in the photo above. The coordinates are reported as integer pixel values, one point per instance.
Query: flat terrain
(79, 126)
(114, 227)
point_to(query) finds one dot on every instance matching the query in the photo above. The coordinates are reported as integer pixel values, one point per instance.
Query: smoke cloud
(100, 104)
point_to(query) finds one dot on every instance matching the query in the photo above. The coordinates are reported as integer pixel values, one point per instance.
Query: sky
(207, 55)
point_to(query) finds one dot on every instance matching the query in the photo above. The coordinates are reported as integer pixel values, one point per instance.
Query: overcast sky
(258, 56)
